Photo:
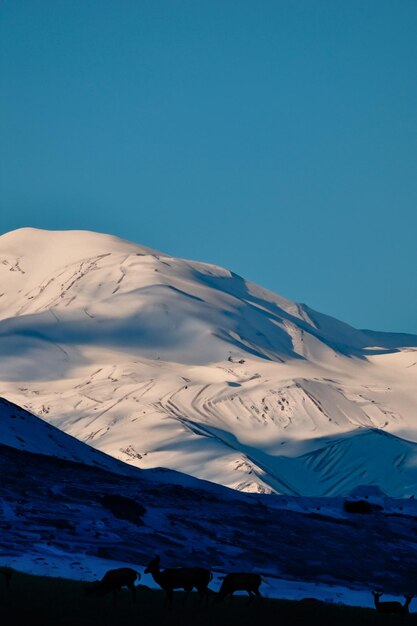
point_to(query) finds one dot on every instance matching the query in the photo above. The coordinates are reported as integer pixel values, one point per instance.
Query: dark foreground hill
(41, 601)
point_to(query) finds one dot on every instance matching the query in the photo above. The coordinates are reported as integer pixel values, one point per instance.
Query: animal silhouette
(240, 582)
(114, 580)
(391, 607)
(186, 578)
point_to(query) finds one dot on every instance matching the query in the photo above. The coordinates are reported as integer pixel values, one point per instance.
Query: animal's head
(153, 565)
(376, 595)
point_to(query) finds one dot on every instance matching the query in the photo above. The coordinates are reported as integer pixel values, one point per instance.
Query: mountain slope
(62, 513)
(161, 361)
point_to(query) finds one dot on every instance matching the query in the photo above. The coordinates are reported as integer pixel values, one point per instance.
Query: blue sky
(278, 139)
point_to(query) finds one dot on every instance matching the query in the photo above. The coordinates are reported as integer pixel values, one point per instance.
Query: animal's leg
(132, 588)
(203, 593)
(250, 600)
(187, 593)
(168, 599)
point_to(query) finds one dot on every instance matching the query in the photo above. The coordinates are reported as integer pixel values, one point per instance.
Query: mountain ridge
(168, 362)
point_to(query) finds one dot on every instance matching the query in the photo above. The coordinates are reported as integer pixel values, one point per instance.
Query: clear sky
(276, 138)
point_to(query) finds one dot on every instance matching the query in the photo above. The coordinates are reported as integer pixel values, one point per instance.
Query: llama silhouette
(186, 578)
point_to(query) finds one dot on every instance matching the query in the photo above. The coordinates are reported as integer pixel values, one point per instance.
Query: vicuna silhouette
(240, 582)
(180, 578)
(391, 607)
(114, 580)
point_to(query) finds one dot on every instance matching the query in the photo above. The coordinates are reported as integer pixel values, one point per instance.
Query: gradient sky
(278, 139)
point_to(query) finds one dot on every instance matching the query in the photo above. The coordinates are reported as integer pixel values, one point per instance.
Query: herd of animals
(189, 578)
(186, 578)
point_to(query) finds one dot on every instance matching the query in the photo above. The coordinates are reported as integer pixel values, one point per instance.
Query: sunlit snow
(160, 361)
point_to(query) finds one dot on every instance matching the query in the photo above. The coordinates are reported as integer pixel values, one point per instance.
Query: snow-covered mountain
(160, 361)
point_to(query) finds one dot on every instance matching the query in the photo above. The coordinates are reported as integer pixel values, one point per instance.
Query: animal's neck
(156, 575)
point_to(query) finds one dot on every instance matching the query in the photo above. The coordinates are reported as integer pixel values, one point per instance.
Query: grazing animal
(114, 580)
(180, 578)
(7, 573)
(391, 607)
(240, 582)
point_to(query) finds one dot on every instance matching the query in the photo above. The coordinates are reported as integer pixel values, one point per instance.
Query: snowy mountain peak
(32, 254)
(162, 361)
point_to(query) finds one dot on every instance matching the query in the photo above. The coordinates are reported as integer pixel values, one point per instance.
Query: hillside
(68, 511)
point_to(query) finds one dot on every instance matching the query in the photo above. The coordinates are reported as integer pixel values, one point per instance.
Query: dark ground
(39, 601)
